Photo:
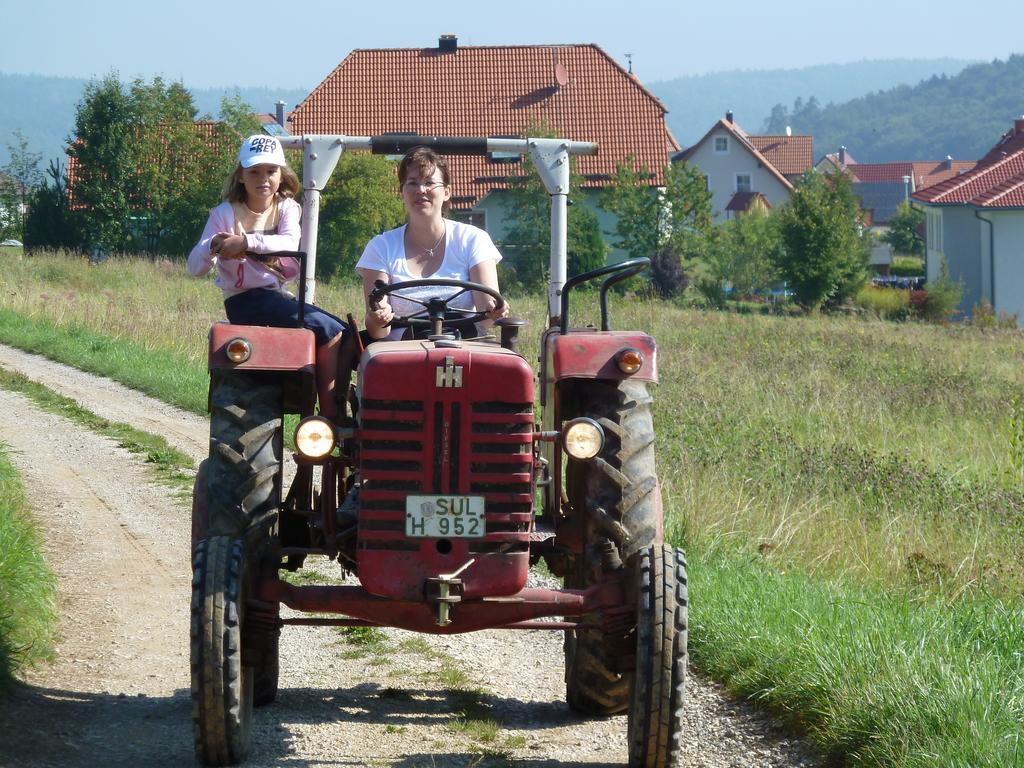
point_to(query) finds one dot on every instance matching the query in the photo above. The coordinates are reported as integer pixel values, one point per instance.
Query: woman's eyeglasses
(427, 186)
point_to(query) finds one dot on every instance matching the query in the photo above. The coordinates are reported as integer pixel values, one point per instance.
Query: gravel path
(118, 693)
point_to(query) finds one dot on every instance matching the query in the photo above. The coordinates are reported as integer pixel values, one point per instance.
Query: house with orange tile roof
(974, 222)
(577, 90)
(881, 187)
(736, 164)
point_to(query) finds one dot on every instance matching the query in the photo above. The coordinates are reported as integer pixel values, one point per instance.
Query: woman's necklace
(429, 252)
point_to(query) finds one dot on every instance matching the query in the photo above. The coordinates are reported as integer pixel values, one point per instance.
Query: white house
(975, 222)
(736, 164)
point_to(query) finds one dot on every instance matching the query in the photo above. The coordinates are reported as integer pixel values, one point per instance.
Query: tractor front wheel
(619, 497)
(222, 687)
(244, 468)
(659, 682)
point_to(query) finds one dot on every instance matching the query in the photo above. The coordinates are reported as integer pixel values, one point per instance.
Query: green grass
(849, 492)
(165, 376)
(884, 303)
(907, 266)
(27, 586)
(874, 678)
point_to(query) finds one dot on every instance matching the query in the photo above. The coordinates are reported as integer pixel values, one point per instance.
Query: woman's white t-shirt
(465, 247)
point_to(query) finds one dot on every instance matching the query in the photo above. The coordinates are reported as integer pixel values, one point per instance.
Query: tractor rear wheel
(222, 687)
(244, 468)
(659, 682)
(622, 482)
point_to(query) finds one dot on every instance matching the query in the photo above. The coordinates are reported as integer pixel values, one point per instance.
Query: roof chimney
(842, 156)
(279, 114)
(948, 162)
(1018, 125)
(728, 116)
(447, 43)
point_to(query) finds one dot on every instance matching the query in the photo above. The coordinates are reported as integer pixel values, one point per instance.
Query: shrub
(885, 303)
(984, 316)
(940, 299)
(668, 277)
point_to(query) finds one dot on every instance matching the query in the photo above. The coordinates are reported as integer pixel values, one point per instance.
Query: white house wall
(961, 241)
(1008, 237)
(721, 169)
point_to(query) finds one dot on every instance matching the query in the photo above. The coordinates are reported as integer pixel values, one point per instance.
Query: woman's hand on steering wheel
(436, 308)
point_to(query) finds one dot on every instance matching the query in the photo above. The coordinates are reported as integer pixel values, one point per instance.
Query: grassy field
(849, 493)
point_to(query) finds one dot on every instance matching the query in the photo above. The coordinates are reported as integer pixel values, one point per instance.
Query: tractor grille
(451, 448)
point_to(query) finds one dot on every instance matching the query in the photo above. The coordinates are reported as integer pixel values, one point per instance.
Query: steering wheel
(435, 310)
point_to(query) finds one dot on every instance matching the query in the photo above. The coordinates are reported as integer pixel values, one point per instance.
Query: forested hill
(962, 116)
(42, 108)
(695, 102)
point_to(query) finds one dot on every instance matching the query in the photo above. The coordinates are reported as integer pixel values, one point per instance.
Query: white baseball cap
(260, 149)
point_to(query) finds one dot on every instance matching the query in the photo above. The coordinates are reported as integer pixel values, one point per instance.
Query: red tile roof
(927, 174)
(833, 157)
(873, 173)
(744, 201)
(997, 181)
(745, 140)
(924, 172)
(577, 90)
(792, 155)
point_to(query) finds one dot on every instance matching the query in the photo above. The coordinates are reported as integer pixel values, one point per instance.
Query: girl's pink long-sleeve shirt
(238, 275)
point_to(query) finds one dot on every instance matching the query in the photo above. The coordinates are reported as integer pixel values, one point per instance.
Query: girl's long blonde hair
(234, 189)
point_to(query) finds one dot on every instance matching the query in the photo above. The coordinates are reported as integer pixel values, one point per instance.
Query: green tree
(101, 149)
(146, 173)
(639, 209)
(672, 225)
(360, 201)
(19, 179)
(527, 245)
(824, 256)
(902, 234)
(49, 223)
(745, 253)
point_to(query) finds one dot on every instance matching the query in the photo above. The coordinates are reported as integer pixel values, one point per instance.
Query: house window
(742, 182)
(721, 144)
(476, 218)
(933, 231)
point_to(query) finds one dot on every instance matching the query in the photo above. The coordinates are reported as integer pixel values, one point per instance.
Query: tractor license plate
(445, 517)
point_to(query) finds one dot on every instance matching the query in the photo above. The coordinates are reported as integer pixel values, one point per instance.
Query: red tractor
(440, 488)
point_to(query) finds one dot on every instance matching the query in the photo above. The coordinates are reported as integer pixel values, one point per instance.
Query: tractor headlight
(238, 350)
(314, 437)
(583, 438)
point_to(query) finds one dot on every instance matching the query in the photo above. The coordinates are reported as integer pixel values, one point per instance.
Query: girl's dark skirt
(265, 306)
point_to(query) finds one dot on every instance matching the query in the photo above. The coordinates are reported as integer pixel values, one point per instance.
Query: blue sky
(207, 44)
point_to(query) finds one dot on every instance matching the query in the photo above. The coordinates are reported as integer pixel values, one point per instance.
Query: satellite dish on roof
(561, 74)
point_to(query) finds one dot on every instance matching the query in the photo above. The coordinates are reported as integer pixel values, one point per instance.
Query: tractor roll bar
(322, 152)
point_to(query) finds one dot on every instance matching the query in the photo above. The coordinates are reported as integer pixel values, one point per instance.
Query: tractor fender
(273, 349)
(591, 354)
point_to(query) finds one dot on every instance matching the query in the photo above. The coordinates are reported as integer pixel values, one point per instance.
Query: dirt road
(118, 693)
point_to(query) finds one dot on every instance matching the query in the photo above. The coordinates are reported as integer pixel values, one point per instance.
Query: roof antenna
(629, 59)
